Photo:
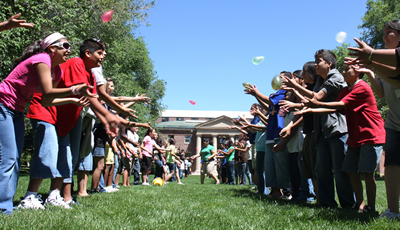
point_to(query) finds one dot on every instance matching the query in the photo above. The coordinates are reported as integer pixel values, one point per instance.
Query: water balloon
(276, 82)
(258, 60)
(341, 37)
(192, 102)
(106, 17)
(246, 85)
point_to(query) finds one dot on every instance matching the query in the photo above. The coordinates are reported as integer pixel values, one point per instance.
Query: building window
(194, 118)
(165, 119)
(208, 119)
(187, 139)
(179, 118)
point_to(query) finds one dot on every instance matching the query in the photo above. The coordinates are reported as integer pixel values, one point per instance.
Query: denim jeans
(247, 171)
(241, 168)
(260, 171)
(294, 174)
(11, 142)
(44, 162)
(230, 169)
(116, 166)
(330, 155)
(135, 171)
(306, 185)
(276, 167)
(69, 149)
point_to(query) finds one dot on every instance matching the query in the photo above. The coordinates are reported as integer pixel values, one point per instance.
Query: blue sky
(203, 49)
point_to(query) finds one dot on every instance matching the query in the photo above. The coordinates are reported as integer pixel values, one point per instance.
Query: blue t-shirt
(223, 160)
(252, 136)
(275, 122)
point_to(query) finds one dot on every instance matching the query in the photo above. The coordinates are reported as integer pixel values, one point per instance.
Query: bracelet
(370, 55)
(74, 90)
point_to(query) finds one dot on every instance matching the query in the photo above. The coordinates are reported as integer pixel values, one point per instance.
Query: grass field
(190, 206)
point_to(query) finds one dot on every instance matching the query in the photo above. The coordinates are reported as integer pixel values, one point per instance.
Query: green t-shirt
(169, 157)
(230, 158)
(206, 152)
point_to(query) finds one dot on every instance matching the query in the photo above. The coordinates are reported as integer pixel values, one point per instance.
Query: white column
(197, 164)
(215, 143)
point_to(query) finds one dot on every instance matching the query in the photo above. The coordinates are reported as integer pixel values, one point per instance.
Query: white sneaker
(145, 183)
(32, 202)
(59, 201)
(183, 183)
(111, 189)
(390, 215)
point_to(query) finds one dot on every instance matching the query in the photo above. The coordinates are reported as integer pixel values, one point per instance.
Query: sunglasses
(64, 45)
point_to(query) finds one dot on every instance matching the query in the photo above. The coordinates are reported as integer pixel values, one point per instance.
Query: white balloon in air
(341, 37)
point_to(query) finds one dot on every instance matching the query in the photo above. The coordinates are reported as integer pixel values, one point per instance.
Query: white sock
(54, 194)
(29, 193)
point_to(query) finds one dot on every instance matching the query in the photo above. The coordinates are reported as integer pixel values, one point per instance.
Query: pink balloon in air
(106, 17)
(192, 102)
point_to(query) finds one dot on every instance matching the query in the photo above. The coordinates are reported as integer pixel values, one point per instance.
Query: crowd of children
(322, 129)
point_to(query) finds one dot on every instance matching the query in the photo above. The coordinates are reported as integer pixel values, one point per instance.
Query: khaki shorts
(209, 167)
(109, 155)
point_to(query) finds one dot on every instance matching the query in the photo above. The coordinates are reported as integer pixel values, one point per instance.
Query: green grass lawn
(190, 206)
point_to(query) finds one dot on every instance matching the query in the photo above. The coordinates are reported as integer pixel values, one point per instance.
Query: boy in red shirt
(69, 123)
(366, 132)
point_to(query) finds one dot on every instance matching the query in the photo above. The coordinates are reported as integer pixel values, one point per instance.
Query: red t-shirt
(38, 112)
(364, 122)
(74, 73)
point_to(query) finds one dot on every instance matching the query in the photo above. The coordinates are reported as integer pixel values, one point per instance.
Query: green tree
(378, 13)
(341, 52)
(127, 61)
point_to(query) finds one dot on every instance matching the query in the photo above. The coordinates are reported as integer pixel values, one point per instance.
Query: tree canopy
(127, 61)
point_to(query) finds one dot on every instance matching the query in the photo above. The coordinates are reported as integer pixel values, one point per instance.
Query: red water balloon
(192, 102)
(106, 17)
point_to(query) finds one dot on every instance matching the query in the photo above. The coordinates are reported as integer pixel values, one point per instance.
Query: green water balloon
(258, 60)
(276, 82)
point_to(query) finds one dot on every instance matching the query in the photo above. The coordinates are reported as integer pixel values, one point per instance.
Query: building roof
(204, 113)
(178, 124)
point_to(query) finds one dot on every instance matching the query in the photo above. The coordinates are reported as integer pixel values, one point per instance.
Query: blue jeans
(135, 171)
(247, 171)
(260, 171)
(276, 167)
(294, 174)
(11, 142)
(44, 162)
(241, 168)
(230, 169)
(116, 166)
(330, 154)
(69, 149)
(306, 185)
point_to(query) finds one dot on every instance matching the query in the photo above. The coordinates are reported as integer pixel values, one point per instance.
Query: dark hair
(309, 67)
(228, 143)
(287, 74)
(90, 44)
(327, 55)
(148, 132)
(172, 141)
(298, 73)
(242, 136)
(393, 25)
(32, 49)
(256, 105)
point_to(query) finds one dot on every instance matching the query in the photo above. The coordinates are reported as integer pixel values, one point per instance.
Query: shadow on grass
(327, 214)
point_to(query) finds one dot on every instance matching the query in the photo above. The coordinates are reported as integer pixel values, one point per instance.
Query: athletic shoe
(390, 215)
(180, 183)
(59, 201)
(111, 189)
(33, 202)
(146, 183)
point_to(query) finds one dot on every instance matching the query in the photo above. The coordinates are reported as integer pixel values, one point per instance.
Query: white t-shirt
(133, 137)
(248, 153)
(98, 75)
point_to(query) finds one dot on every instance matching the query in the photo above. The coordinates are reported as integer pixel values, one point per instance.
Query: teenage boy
(331, 132)
(276, 162)
(366, 132)
(76, 71)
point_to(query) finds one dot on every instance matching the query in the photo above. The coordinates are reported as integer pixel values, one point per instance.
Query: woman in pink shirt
(34, 72)
(147, 147)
